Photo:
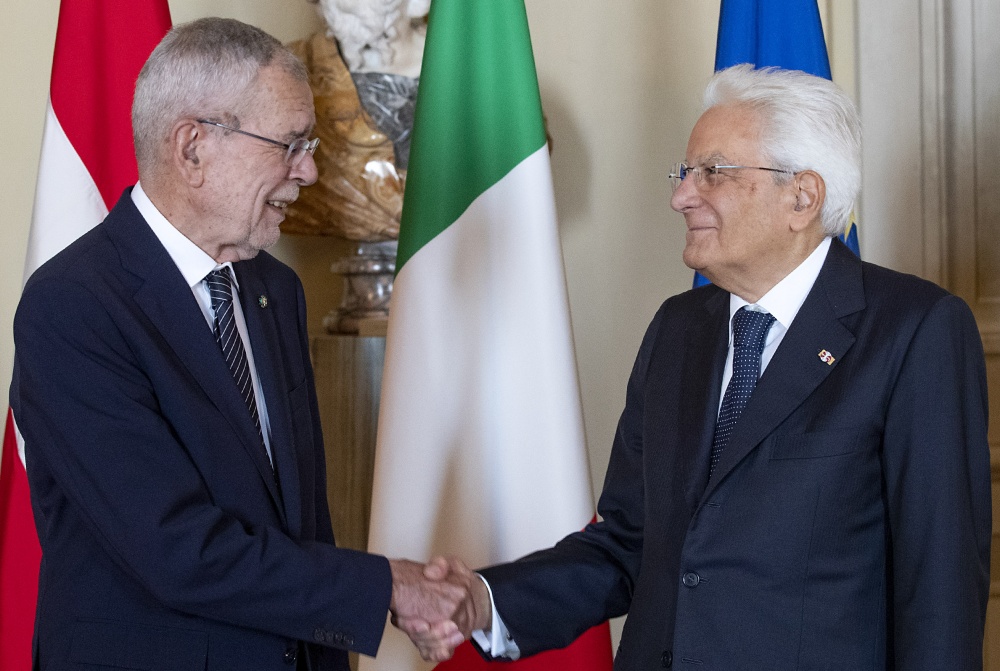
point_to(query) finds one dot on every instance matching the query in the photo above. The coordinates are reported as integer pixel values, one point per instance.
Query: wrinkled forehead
(279, 96)
(725, 132)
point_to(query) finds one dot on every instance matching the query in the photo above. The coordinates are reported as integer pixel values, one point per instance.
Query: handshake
(438, 604)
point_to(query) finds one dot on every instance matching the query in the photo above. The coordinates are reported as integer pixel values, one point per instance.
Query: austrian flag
(87, 160)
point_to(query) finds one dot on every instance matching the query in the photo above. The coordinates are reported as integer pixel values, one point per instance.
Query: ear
(188, 151)
(810, 193)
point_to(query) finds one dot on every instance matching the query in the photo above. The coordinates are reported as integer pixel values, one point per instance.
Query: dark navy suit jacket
(165, 542)
(847, 525)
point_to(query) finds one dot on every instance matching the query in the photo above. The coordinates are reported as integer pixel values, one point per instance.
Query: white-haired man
(163, 386)
(800, 478)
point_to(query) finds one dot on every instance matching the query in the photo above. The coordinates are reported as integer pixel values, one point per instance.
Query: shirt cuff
(496, 641)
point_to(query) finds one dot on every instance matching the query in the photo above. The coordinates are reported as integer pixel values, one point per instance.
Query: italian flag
(86, 160)
(480, 451)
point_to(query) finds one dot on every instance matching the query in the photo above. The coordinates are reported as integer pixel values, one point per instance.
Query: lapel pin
(826, 357)
(262, 301)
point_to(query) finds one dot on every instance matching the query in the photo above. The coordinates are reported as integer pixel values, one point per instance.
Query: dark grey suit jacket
(847, 525)
(165, 542)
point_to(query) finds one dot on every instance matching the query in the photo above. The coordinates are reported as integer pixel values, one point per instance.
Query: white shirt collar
(787, 296)
(189, 258)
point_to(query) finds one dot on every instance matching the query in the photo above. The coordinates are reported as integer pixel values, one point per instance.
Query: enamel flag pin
(826, 357)
(262, 301)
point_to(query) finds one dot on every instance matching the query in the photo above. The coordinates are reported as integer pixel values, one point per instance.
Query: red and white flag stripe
(87, 158)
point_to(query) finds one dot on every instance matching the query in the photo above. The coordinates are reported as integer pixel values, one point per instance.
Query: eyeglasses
(294, 152)
(708, 175)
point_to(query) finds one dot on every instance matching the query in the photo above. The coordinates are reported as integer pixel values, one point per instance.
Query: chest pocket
(820, 444)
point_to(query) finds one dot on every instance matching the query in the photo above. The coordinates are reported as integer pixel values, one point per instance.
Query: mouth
(282, 201)
(699, 223)
(696, 228)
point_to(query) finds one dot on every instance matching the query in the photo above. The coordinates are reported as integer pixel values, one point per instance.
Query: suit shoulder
(885, 286)
(678, 312)
(96, 251)
(692, 302)
(902, 307)
(82, 263)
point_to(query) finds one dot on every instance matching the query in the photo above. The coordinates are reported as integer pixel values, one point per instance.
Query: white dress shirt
(783, 302)
(195, 265)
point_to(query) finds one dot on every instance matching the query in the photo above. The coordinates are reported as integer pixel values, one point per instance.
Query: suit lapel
(706, 341)
(796, 368)
(165, 298)
(263, 329)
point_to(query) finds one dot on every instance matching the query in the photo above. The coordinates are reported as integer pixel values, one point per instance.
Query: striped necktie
(220, 284)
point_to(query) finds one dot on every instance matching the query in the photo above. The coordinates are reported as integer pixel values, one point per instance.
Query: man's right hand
(436, 639)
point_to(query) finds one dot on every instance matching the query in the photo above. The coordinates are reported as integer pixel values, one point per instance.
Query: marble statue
(363, 72)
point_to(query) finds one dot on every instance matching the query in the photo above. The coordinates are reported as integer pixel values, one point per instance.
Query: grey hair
(806, 123)
(204, 68)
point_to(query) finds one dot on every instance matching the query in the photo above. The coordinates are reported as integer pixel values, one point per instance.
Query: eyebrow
(291, 136)
(711, 159)
(298, 134)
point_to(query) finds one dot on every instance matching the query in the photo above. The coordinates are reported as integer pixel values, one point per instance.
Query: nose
(685, 196)
(305, 171)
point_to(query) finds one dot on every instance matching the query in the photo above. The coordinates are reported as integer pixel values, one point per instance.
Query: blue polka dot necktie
(220, 290)
(749, 333)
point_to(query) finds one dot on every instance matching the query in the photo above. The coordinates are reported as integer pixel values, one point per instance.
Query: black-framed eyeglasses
(705, 175)
(294, 152)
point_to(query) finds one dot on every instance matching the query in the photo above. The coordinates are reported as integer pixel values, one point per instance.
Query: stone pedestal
(368, 274)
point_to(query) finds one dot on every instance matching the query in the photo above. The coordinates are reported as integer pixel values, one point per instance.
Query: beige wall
(27, 33)
(621, 86)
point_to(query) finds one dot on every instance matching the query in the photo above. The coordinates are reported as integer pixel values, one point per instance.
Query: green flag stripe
(478, 113)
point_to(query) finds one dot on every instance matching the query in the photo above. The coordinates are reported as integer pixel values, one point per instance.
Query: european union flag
(782, 33)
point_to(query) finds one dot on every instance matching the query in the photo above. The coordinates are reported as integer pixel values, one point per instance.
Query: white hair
(203, 68)
(806, 123)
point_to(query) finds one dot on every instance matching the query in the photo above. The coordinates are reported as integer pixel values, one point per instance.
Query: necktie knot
(750, 329)
(220, 287)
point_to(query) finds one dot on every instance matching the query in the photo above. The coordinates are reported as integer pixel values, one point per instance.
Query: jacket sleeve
(937, 480)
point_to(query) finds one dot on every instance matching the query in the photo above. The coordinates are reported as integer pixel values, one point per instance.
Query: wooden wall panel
(348, 385)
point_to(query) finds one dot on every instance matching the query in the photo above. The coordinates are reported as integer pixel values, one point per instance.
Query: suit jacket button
(667, 660)
(290, 656)
(319, 635)
(691, 579)
(348, 640)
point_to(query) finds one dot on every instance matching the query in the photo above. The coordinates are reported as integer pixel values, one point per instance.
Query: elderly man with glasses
(800, 478)
(164, 391)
